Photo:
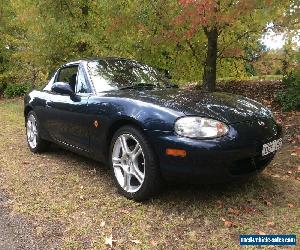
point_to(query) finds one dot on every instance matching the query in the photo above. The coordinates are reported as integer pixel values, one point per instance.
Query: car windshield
(113, 74)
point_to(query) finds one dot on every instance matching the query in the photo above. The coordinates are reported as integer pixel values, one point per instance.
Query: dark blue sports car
(129, 115)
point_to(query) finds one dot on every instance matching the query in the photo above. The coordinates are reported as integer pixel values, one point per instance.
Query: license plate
(271, 147)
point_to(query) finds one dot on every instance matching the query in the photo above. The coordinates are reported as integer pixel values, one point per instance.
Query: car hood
(225, 107)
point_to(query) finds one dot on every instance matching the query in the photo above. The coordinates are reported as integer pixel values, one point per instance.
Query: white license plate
(271, 147)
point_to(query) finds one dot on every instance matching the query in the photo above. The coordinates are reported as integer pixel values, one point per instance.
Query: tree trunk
(210, 67)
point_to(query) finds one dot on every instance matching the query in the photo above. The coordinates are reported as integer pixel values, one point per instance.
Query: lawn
(72, 201)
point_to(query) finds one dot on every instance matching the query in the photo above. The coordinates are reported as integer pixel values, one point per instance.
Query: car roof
(92, 59)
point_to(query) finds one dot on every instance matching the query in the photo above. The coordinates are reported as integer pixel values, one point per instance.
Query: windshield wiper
(139, 85)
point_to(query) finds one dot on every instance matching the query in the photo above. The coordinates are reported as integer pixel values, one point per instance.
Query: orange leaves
(197, 14)
(233, 211)
(228, 223)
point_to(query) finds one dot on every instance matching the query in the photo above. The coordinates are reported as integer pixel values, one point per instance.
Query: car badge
(96, 124)
(261, 123)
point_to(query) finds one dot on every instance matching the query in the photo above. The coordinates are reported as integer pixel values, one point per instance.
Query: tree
(194, 39)
(226, 20)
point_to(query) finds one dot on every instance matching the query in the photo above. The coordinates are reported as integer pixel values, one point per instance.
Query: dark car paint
(70, 122)
(225, 107)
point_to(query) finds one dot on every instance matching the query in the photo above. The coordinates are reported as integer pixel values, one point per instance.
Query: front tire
(35, 143)
(134, 164)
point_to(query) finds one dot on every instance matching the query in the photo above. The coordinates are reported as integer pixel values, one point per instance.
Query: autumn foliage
(196, 40)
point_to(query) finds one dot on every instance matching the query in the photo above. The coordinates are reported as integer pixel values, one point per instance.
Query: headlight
(200, 127)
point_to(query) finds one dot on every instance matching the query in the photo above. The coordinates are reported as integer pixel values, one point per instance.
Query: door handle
(48, 104)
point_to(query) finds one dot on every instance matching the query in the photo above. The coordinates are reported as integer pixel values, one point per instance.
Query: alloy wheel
(128, 163)
(32, 132)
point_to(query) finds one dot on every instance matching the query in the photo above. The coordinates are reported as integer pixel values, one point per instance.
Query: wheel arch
(118, 124)
(27, 109)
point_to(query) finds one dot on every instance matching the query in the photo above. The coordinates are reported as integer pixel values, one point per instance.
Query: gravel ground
(19, 233)
(15, 230)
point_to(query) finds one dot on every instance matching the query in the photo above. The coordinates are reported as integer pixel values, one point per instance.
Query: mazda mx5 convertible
(130, 116)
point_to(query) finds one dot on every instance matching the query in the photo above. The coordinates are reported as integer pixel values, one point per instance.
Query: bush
(290, 97)
(13, 90)
(3, 86)
(5, 78)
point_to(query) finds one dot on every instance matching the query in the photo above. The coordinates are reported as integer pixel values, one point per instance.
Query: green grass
(78, 195)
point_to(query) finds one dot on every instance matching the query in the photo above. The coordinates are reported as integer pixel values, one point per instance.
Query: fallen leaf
(270, 224)
(26, 162)
(228, 223)
(233, 211)
(135, 241)
(289, 172)
(298, 169)
(298, 178)
(294, 154)
(248, 209)
(153, 243)
(268, 203)
(109, 241)
(102, 224)
(290, 205)
(261, 233)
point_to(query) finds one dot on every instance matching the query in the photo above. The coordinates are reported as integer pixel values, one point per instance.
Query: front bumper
(233, 156)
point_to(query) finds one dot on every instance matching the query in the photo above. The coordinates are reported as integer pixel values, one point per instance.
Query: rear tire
(35, 143)
(134, 164)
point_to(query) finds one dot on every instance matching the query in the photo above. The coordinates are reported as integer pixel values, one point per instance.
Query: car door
(68, 121)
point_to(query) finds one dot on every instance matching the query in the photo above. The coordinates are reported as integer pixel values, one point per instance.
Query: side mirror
(63, 88)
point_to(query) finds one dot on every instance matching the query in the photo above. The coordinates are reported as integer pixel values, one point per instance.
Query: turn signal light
(176, 152)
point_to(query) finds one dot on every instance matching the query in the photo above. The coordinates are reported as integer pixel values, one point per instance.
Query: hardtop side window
(82, 85)
(68, 74)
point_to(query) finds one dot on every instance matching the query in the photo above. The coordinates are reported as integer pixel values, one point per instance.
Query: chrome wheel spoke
(127, 178)
(117, 162)
(136, 151)
(124, 144)
(35, 131)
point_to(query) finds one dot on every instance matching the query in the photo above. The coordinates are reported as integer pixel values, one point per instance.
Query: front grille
(249, 165)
